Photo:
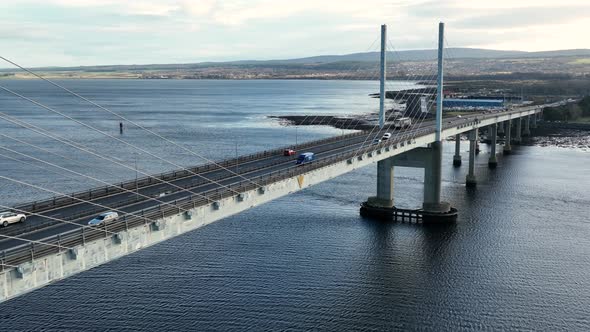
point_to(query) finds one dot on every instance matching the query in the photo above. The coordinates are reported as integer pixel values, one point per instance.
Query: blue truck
(304, 158)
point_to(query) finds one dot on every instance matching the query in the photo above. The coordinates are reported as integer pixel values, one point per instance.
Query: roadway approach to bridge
(153, 211)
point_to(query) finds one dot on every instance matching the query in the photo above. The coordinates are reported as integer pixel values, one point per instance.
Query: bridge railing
(61, 242)
(95, 209)
(116, 188)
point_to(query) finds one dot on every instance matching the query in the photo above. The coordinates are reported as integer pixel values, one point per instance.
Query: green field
(585, 61)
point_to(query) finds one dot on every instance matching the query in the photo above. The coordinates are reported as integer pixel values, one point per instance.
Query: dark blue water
(517, 259)
(213, 119)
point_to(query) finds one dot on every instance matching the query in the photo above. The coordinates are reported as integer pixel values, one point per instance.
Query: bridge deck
(260, 169)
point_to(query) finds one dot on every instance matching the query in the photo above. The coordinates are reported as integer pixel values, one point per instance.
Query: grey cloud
(522, 17)
(436, 9)
(25, 34)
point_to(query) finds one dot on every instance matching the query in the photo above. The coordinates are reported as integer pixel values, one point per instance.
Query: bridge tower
(383, 76)
(430, 158)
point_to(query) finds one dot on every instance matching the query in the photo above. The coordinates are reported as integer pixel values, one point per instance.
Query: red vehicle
(289, 152)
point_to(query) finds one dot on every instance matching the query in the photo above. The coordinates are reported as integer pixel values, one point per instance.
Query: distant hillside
(422, 55)
(411, 55)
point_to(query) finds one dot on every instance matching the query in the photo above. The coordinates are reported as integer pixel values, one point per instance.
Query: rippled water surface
(517, 258)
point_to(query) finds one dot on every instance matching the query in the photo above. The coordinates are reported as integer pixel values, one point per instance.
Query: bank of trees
(585, 106)
(569, 112)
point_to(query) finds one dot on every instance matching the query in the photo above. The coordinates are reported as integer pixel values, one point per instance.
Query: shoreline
(556, 134)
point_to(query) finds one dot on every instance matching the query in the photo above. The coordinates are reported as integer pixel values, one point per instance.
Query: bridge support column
(527, 126)
(433, 181)
(534, 120)
(492, 163)
(470, 181)
(507, 138)
(457, 156)
(501, 128)
(384, 196)
(433, 210)
(518, 134)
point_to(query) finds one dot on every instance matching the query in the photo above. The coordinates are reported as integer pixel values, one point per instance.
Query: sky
(93, 32)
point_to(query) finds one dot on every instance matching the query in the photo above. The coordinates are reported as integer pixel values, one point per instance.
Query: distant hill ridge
(410, 55)
(421, 55)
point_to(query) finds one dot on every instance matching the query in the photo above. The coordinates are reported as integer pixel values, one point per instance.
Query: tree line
(570, 112)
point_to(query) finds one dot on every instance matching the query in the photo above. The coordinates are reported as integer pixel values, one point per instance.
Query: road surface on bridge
(79, 213)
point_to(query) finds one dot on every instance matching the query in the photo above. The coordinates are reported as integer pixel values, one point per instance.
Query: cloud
(524, 17)
(69, 32)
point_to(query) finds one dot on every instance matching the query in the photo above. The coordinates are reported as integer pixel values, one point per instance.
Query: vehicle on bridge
(7, 218)
(288, 152)
(386, 136)
(376, 141)
(304, 158)
(402, 123)
(103, 218)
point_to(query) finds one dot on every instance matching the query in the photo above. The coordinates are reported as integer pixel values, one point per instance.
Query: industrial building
(473, 103)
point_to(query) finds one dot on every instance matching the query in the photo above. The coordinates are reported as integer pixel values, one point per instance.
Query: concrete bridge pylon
(430, 158)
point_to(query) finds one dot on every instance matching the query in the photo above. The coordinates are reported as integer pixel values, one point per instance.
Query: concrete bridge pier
(470, 180)
(492, 163)
(433, 181)
(527, 126)
(433, 209)
(384, 198)
(501, 128)
(534, 120)
(507, 138)
(457, 156)
(518, 135)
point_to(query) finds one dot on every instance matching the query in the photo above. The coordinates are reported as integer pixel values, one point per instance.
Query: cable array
(52, 167)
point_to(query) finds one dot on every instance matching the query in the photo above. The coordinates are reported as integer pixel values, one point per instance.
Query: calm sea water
(517, 259)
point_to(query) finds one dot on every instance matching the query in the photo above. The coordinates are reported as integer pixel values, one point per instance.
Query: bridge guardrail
(95, 210)
(115, 188)
(61, 242)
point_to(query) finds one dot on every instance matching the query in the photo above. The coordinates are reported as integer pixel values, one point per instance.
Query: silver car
(7, 218)
(102, 218)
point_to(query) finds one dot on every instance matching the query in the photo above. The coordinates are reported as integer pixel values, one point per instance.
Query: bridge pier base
(470, 180)
(457, 156)
(433, 209)
(384, 198)
(493, 162)
(507, 146)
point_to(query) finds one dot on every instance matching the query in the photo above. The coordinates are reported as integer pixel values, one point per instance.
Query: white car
(7, 218)
(386, 136)
(102, 218)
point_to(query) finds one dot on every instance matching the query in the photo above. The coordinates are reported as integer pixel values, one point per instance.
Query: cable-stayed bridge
(56, 240)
